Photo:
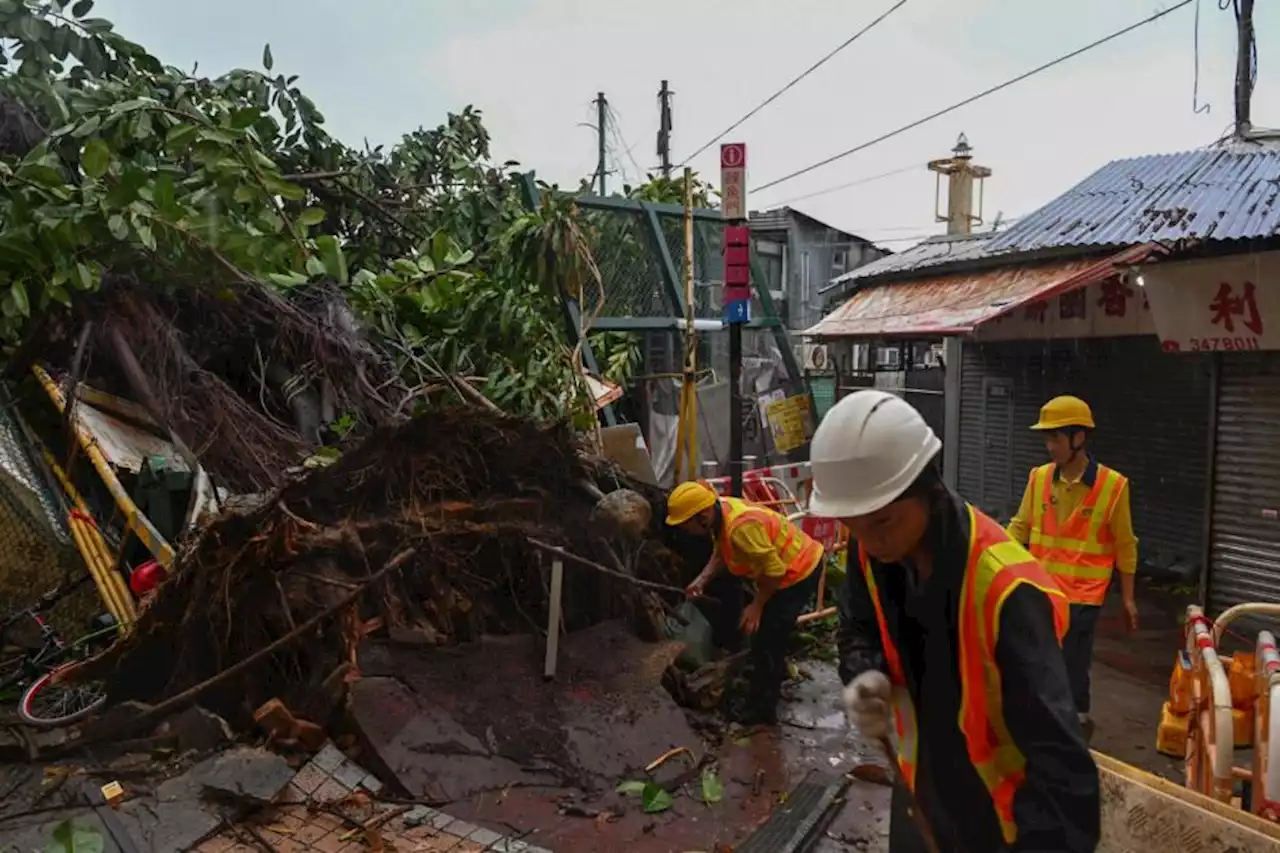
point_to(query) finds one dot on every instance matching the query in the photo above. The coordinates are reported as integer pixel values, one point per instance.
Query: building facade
(1147, 290)
(798, 255)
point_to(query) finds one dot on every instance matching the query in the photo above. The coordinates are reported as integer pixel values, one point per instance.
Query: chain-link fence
(36, 551)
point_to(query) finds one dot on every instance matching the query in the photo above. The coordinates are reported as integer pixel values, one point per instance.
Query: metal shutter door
(1244, 555)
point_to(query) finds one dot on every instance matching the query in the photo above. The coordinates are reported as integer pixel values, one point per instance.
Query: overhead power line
(914, 167)
(969, 100)
(804, 74)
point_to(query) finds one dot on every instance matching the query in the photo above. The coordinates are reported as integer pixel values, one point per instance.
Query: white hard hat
(868, 450)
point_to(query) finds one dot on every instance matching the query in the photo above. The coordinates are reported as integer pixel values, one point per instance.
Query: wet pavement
(513, 752)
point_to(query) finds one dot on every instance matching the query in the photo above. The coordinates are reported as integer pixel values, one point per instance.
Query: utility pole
(664, 128)
(1244, 66)
(602, 107)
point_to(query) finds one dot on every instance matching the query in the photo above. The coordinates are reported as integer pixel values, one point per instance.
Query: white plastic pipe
(1201, 646)
(1268, 666)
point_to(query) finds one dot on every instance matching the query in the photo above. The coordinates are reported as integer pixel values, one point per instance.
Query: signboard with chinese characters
(1217, 305)
(1112, 308)
(733, 180)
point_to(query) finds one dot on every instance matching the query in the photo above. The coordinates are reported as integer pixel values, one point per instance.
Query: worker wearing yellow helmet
(1075, 520)
(755, 544)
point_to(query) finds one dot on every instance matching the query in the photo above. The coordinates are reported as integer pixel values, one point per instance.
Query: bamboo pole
(133, 517)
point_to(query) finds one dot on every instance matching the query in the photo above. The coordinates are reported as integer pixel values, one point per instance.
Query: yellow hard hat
(1063, 412)
(687, 500)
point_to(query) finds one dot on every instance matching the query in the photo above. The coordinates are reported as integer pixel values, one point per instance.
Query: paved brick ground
(300, 829)
(328, 802)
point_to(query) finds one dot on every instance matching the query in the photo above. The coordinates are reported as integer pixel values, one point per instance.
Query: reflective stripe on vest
(996, 567)
(798, 552)
(1079, 553)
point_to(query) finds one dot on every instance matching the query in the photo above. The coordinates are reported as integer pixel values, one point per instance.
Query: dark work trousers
(725, 611)
(1077, 649)
(768, 653)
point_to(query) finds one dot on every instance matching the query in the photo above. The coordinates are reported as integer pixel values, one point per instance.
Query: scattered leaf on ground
(635, 786)
(712, 787)
(655, 798)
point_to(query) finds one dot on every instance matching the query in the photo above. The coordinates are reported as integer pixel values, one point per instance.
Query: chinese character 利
(1114, 300)
(1226, 306)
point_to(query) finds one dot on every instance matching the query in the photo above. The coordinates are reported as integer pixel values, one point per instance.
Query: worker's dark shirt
(1058, 806)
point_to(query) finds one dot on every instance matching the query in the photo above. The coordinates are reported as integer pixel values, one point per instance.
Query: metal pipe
(133, 517)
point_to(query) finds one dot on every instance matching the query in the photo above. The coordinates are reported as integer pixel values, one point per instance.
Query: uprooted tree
(214, 226)
(263, 289)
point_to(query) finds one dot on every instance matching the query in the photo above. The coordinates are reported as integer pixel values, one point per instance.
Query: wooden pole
(553, 620)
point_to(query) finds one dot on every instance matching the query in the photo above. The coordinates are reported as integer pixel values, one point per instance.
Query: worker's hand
(697, 588)
(1131, 614)
(866, 702)
(751, 616)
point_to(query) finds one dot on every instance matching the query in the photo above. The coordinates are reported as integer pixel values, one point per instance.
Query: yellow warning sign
(790, 422)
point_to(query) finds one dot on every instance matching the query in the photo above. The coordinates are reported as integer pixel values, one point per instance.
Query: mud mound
(465, 488)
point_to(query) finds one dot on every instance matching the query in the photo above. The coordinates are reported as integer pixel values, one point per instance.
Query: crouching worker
(757, 544)
(950, 646)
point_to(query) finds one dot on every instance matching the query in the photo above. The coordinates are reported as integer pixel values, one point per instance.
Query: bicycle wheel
(46, 704)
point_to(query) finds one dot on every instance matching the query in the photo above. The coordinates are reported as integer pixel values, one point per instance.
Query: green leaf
(40, 173)
(69, 838)
(712, 787)
(118, 227)
(180, 136)
(19, 291)
(87, 128)
(655, 799)
(96, 25)
(311, 216)
(82, 8)
(635, 786)
(267, 60)
(162, 193)
(82, 277)
(95, 159)
(335, 263)
(144, 234)
(315, 266)
(292, 279)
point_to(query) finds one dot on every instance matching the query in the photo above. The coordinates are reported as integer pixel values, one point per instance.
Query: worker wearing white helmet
(949, 646)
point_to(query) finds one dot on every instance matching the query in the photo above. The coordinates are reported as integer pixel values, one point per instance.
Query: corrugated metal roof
(936, 251)
(778, 219)
(1213, 194)
(957, 304)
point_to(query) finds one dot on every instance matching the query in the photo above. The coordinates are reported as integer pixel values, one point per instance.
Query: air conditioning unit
(815, 357)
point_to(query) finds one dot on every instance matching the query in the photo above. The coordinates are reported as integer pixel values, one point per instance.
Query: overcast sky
(379, 68)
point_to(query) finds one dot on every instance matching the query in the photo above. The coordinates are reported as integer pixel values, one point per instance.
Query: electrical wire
(786, 88)
(969, 100)
(914, 167)
(615, 125)
(1197, 107)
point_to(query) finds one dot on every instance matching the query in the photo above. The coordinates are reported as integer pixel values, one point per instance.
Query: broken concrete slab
(196, 729)
(245, 773)
(446, 734)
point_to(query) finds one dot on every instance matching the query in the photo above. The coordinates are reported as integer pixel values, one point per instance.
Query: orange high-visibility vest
(1080, 553)
(996, 566)
(798, 552)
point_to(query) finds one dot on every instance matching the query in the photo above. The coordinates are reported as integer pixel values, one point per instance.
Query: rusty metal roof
(958, 304)
(1228, 193)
